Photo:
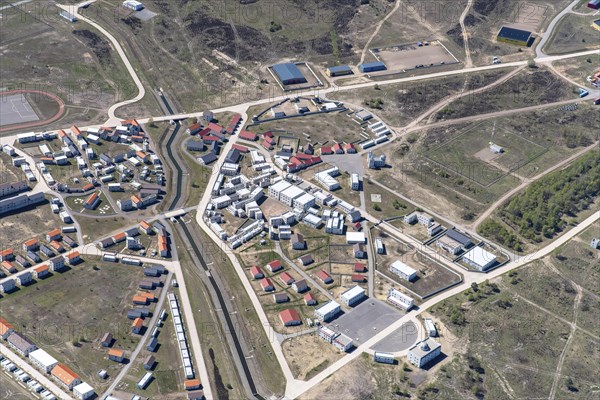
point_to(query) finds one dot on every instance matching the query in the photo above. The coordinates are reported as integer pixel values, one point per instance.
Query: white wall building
(327, 311)
(399, 299)
(42, 360)
(352, 296)
(423, 352)
(479, 258)
(403, 271)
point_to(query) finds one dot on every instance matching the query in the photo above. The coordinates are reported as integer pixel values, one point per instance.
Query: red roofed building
(349, 147)
(309, 299)
(145, 227)
(360, 267)
(204, 132)
(66, 376)
(31, 244)
(267, 145)
(137, 326)
(286, 278)
(233, 124)
(337, 148)
(194, 128)
(358, 278)
(274, 266)
(324, 277)
(270, 140)
(119, 237)
(268, 134)
(54, 234)
(75, 130)
(88, 187)
(240, 148)
(73, 258)
(208, 138)
(326, 150)
(247, 135)
(92, 201)
(7, 255)
(215, 127)
(41, 271)
(256, 272)
(5, 328)
(267, 285)
(290, 317)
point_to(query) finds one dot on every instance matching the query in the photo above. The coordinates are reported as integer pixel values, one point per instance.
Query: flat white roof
(83, 388)
(292, 192)
(400, 266)
(305, 198)
(43, 358)
(327, 308)
(479, 256)
(353, 292)
(281, 186)
(355, 237)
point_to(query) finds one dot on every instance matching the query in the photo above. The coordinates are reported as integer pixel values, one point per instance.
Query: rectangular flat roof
(479, 256)
(327, 308)
(43, 357)
(353, 292)
(400, 266)
(281, 186)
(358, 237)
(292, 192)
(340, 68)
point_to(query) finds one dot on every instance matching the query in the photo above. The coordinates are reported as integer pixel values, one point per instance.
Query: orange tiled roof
(64, 374)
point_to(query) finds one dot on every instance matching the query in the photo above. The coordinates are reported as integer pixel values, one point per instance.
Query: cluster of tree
(497, 232)
(374, 103)
(542, 209)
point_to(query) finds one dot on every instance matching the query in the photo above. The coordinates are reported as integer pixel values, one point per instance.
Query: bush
(376, 207)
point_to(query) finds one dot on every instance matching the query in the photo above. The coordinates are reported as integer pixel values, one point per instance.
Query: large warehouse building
(514, 36)
(288, 73)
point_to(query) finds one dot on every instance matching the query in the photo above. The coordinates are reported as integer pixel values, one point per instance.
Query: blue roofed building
(339, 70)
(288, 73)
(514, 36)
(372, 66)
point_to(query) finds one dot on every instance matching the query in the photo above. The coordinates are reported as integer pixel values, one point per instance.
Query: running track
(56, 116)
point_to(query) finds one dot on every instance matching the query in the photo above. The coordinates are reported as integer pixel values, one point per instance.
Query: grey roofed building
(306, 259)
(131, 232)
(149, 363)
(69, 240)
(423, 352)
(139, 312)
(233, 156)
(22, 261)
(21, 343)
(284, 154)
(106, 159)
(34, 256)
(215, 148)
(300, 286)
(195, 145)
(281, 298)
(107, 242)
(151, 272)
(459, 237)
(47, 251)
(196, 395)
(152, 345)
(207, 158)
(288, 73)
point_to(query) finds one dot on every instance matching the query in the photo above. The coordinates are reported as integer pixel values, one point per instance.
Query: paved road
(112, 118)
(523, 185)
(34, 373)
(303, 273)
(539, 50)
(143, 340)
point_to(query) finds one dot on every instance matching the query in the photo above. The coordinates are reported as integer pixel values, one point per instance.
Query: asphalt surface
(221, 301)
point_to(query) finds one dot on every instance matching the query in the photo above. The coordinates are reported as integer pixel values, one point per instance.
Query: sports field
(15, 109)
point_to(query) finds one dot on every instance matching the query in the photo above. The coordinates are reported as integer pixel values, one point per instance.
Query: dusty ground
(309, 354)
(68, 313)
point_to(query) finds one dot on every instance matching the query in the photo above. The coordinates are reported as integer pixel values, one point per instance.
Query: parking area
(15, 109)
(366, 320)
(400, 340)
(414, 55)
